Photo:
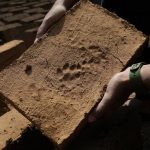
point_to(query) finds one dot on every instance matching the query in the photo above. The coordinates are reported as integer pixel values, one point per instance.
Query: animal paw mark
(77, 75)
(59, 70)
(70, 71)
(84, 62)
(66, 66)
(66, 76)
(72, 67)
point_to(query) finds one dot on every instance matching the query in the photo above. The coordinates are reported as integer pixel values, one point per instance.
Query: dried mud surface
(56, 82)
(12, 124)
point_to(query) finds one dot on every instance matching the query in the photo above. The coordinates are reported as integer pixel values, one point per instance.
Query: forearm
(118, 91)
(55, 13)
(145, 76)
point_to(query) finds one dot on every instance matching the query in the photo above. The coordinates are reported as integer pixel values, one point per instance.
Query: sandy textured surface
(56, 82)
(10, 51)
(12, 124)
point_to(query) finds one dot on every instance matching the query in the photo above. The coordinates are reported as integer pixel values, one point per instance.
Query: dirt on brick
(12, 124)
(59, 80)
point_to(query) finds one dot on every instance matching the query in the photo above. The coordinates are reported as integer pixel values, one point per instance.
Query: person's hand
(36, 40)
(116, 94)
(41, 31)
(54, 14)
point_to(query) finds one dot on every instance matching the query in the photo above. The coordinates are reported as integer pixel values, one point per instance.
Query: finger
(97, 113)
(36, 40)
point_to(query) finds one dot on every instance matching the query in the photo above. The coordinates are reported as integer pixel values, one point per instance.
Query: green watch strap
(135, 79)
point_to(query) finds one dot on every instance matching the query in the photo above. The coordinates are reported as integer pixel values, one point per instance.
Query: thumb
(36, 40)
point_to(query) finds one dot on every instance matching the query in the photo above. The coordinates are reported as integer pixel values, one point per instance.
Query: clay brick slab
(32, 29)
(16, 17)
(6, 9)
(36, 10)
(40, 20)
(3, 3)
(42, 4)
(1, 23)
(56, 82)
(18, 9)
(31, 3)
(5, 15)
(12, 124)
(17, 3)
(10, 26)
(33, 17)
(9, 50)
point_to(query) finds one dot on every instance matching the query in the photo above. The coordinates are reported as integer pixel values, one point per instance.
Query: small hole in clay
(28, 69)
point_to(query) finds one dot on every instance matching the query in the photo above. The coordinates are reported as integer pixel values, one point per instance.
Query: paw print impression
(70, 71)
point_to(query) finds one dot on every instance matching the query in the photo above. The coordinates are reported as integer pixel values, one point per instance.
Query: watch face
(135, 66)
